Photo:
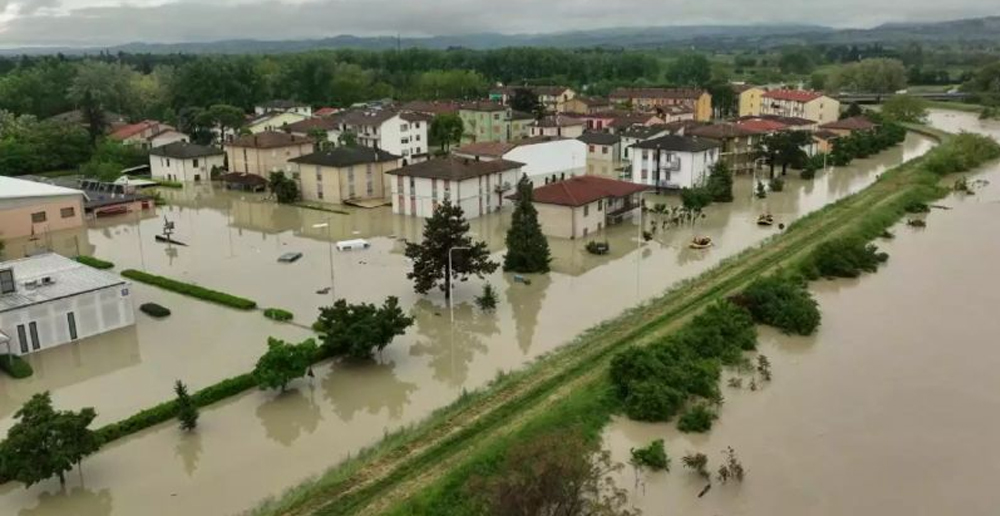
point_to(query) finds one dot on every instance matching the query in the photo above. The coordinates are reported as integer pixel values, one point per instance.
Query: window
(496, 116)
(7, 285)
(196, 163)
(168, 159)
(417, 138)
(38, 217)
(404, 141)
(600, 204)
(319, 193)
(586, 210)
(71, 321)
(404, 127)
(33, 330)
(22, 337)
(604, 149)
(591, 148)
(67, 212)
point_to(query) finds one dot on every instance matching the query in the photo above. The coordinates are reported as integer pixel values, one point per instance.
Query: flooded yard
(257, 444)
(891, 408)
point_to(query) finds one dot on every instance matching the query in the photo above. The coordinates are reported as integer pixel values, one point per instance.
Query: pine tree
(527, 248)
(187, 412)
(720, 183)
(487, 301)
(446, 230)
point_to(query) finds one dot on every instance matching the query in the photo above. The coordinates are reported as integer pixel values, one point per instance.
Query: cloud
(180, 21)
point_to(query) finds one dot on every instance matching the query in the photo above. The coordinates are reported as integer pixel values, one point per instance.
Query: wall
(15, 215)
(603, 160)
(335, 184)
(750, 102)
(264, 161)
(569, 131)
(693, 170)
(276, 122)
(823, 110)
(476, 195)
(172, 169)
(167, 138)
(95, 313)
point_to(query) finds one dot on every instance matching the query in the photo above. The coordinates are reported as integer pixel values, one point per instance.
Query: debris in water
(704, 490)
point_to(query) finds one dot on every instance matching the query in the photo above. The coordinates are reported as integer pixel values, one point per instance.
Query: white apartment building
(673, 162)
(48, 300)
(183, 161)
(479, 187)
(401, 133)
(283, 106)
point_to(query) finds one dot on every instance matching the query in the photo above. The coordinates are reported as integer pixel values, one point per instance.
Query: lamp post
(329, 237)
(451, 284)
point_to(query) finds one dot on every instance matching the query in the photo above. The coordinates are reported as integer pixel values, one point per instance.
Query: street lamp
(329, 237)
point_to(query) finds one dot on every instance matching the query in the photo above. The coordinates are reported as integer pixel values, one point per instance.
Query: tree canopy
(446, 233)
(877, 75)
(359, 330)
(527, 247)
(283, 362)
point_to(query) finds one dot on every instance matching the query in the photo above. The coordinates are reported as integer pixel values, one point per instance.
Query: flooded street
(260, 443)
(891, 408)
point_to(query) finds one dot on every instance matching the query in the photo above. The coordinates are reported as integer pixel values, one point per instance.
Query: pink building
(30, 208)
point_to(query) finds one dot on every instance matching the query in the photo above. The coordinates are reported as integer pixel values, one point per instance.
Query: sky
(110, 22)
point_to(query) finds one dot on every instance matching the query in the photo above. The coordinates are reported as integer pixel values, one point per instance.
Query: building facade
(582, 206)
(649, 99)
(401, 133)
(810, 105)
(479, 187)
(737, 144)
(603, 154)
(183, 161)
(750, 100)
(49, 300)
(261, 154)
(673, 162)
(558, 126)
(29, 208)
(345, 174)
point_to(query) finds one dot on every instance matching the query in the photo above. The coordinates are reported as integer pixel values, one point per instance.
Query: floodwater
(255, 445)
(891, 408)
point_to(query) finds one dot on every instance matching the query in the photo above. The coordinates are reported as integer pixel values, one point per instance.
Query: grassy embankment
(421, 468)
(956, 106)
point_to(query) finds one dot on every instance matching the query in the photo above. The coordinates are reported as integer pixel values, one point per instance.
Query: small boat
(702, 242)
(765, 220)
(168, 240)
(289, 257)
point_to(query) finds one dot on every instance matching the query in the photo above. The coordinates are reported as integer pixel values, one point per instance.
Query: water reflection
(78, 501)
(451, 346)
(383, 390)
(68, 242)
(287, 415)
(526, 305)
(188, 450)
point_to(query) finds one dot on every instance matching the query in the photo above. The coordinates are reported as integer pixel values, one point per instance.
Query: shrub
(696, 198)
(965, 152)
(720, 183)
(170, 184)
(777, 184)
(843, 258)
(722, 331)
(190, 290)
(781, 301)
(652, 400)
(654, 456)
(277, 314)
(697, 462)
(15, 366)
(154, 310)
(96, 263)
(916, 207)
(698, 418)
(487, 301)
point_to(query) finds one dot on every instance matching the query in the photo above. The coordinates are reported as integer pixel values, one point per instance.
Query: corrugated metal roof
(69, 278)
(13, 188)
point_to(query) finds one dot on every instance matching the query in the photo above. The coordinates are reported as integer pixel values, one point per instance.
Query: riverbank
(573, 376)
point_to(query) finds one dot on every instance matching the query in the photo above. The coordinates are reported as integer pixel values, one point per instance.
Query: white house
(401, 133)
(558, 125)
(183, 161)
(479, 187)
(581, 206)
(673, 161)
(167, 136)
(48, 300)
(274, 121)
(639, 133)
(283, 106)
(544, 157)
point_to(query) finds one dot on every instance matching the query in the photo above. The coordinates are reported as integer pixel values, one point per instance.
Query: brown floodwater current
(891, 408)
(255, 445)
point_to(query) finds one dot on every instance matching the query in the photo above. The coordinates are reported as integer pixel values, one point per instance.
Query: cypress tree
(187, 412)
(527, 248)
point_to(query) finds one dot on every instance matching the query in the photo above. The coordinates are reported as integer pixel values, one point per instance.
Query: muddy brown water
(255, 445)
(891, 408)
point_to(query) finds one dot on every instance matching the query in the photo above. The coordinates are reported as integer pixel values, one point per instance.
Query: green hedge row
(96, 263)
(278, 314)
(15, 366)
(190, 290)
(170, 184)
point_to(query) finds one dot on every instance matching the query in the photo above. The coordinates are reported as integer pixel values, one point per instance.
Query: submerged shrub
(781, 301)
(15, 366)
(653, 400)
(843, 258)
(698, 418)
(722, 331)
(277, 314)
(96, 263)
(654, 456)
(154, 310)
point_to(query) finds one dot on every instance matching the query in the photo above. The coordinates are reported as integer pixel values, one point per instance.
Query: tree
(487, 301)
(905, 108)
(284, 188)
(725, 102)
(556, 474)
(348, 139)
(796, 61)
(446, 234)
(690, 70)
(853, 110)
(446, 129)
(877, 75)
(527, 247)
(525, 100)
(283, 362)
(46, 442)
(100, 87)
(226, 117)
(720, 182)
(358, 330)
(187, 411)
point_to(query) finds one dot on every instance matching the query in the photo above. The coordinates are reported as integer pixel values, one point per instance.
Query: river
(255, 445)
(891, 408)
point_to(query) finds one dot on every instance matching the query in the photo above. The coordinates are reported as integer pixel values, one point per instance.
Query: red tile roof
(131, 130)
(581, 190)
(326, 111)
(269, 139)
(793, 95)
(656, 93)
(762, 126)
(492, 149)
(854, 123)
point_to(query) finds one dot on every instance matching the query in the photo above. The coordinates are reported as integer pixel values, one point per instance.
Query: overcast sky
(108, 22)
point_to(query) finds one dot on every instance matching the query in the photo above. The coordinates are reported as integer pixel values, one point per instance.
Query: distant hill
(698, 36)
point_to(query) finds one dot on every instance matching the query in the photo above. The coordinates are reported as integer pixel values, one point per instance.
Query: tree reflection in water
(370, 386)
(451, 348)
(526, 303)
(288, 415)
(78, 501)
(189, 450)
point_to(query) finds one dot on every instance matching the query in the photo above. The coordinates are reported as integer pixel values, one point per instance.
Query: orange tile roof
(793, 95)
(581, 190)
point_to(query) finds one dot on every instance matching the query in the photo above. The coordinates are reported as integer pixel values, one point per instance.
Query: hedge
(96, 263)
(190, 290)
(170, 184)
(278, 314)
(154, 310)
(15, 366)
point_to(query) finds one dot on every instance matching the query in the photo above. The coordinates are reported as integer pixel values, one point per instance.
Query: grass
(956, 106)
(59, 173)
(421, 470)
(96, 263)
(189, 289)
(169, 184)
(15, 366)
